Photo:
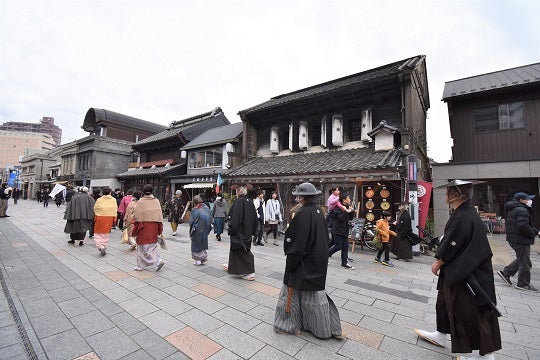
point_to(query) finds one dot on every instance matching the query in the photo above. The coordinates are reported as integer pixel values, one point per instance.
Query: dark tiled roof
(365, 77)
(218, 135)
(148, 172)
(318, 163)
(189, 129)
(102, 115)
(518, 76)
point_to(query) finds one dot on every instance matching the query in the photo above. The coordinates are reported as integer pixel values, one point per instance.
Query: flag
(219, 182)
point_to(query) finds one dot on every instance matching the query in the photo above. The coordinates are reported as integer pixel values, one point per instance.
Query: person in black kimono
(465, 306)
(400, 246)
(303, 302)
(242, 227)
(79, 216)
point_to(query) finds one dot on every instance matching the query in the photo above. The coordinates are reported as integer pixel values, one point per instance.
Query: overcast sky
(163, 61)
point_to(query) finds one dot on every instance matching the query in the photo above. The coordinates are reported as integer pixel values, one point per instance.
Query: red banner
(424, 197)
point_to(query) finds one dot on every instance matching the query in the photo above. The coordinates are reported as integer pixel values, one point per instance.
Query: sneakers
(377, 260)
(348, 266)
(434, 337)
(71, 241)
(102, 252)
(81, 243)
(174, 233)
(526, 288)
(504, 278)
(387, 263)
(160, 265)
(197, 262)
(138, 268)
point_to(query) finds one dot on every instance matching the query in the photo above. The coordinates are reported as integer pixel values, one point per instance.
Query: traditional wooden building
(325, 134)
(495, 125)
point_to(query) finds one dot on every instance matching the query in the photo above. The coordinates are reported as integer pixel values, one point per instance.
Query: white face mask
(218, 198)
(529, 203)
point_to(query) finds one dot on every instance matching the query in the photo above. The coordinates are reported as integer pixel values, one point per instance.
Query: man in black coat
(303, 302)
(466, 300)
(242, 227)
(520, 233)
(400, 246)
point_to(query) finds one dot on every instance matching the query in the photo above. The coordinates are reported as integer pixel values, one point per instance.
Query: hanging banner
(424, 197)
(56, 189)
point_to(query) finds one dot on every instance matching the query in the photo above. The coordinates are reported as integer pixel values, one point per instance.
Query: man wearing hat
(79, 216)
(303, 302)
(466, 300)
(520, 233)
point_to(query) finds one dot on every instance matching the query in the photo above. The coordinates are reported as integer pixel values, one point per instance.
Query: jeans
(342, 243)
(522, 265)
(386, 249)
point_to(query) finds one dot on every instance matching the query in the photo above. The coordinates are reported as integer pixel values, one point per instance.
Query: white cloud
(166, 60)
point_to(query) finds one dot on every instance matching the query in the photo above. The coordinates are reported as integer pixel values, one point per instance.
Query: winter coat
(519, 223)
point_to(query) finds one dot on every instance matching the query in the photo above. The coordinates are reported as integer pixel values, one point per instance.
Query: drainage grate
(28, 348)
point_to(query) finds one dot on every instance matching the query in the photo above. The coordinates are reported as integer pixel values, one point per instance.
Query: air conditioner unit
(274, 140)
(303, 135)
(337, 130)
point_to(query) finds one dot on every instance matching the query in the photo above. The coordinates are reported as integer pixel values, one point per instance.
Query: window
(205, 158)
(501, 117)
(84, 162)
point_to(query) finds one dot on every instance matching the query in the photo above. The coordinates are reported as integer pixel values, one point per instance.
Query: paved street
(61, 301)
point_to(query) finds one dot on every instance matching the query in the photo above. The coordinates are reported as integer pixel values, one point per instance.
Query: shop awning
(199, 185)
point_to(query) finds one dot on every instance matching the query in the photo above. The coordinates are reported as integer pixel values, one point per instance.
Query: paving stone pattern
(62, 301)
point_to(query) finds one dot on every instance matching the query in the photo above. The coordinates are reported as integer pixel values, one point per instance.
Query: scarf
(148, 209)
(105, 206)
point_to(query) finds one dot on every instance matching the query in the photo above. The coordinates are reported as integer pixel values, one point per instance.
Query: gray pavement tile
(263, 299)
(66, 345)
(103, 284)
(79, 284)
(350, 316)
(331, 344)
(25, 284)
(219, 273)
(138, 307)
(224, 354)
(313, 351)
(366, 310)
(288, 344)
(238, 342)
(397, 348)
(154, 344)
(358, 298)
(112, 344)
(269, 352)
(177, 356)
(39, 307)
(159, 282)
(119, 294)
(238, 289)
(263, 313)
(5, 317)
(355, 350)
(64, 293)
(14, 351)
(200, 321)
(185, 281)
(205, 304)
(54, 283)
(172, 305)
(162, 323)
(91, 323)
(76, 307)
(150, 293)
(127, 323)
(45, 274)
(137, 355)
(50, 324)
(237, 319)
(237, 302)
(180, 292)
(131, 283)
(398, 309)
(91, 293)
(389, 330)
(9, 335)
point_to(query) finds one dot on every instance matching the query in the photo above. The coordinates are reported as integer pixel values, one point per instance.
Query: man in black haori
(465, 306)
(242, 227)
(400, 246)
(79, 215)
(303, 302)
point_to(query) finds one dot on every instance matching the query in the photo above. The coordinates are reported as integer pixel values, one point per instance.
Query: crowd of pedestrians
(466, 301)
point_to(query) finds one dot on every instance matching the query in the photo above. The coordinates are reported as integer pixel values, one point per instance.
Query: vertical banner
(424, 197)
(219, 182)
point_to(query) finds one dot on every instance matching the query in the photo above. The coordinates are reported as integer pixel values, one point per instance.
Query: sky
(167, 60)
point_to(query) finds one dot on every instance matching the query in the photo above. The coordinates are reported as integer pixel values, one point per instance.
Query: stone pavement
(61, 301)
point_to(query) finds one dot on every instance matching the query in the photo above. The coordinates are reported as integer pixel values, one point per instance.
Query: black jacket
(306, 247)
(341, 219)
(519, 223)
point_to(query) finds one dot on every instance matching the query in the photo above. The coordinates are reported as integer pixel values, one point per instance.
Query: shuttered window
(500, 117)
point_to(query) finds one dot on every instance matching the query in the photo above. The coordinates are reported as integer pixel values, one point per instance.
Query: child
(384, 232)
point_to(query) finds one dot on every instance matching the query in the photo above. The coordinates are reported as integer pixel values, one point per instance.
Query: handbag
(377, 243)
(161, 242)
(125, 237)
(413, 238)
